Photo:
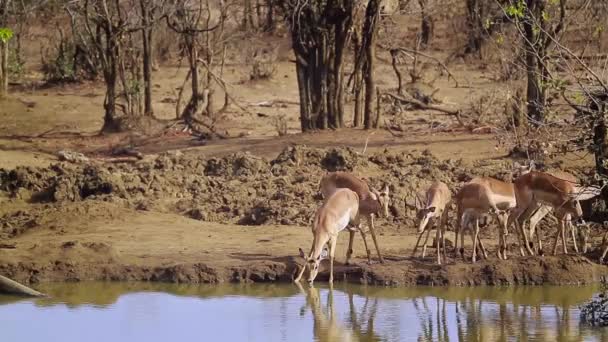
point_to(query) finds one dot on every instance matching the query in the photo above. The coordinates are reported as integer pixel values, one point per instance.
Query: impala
(539, 188)
(434, 212)
(338, 210)
(371, 202)
(477, 198)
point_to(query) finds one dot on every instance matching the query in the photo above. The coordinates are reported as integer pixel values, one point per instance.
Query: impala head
(573, 207)
(522, 169)
(313, 263)
(383, 199)
(423, 217)
(503, 220)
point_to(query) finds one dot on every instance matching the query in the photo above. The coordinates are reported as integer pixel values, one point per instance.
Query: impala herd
(530, 197)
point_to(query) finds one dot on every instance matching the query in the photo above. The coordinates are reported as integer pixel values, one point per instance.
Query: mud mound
(55, 217)
(238, 188)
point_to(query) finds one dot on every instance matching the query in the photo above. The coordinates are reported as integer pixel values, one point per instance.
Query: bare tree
(426, 24)
(370, 31)
(320, 31)
(540, 23)
(151, 11)
(202, 30)
(107, 25)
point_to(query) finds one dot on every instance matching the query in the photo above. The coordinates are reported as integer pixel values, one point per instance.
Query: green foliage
(516, 10)
(545, 15)
(133, 87)
(5, 34)
(60, 68)
(16, 66)
(487, 24)
(598, 31)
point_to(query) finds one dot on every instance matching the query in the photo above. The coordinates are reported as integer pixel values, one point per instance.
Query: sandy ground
(164, 247)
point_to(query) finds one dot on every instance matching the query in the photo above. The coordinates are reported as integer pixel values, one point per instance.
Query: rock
(72, 157)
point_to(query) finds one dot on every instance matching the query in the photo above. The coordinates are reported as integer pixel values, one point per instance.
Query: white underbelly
(343, 221)
(503, 202)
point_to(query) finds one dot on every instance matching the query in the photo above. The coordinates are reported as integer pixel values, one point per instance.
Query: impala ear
(302, 253)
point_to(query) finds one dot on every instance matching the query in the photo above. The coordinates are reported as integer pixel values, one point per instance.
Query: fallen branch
(10, 286)
(415, 52)
(421, 105)
(271, 103)
(367, 141)
(388, 128)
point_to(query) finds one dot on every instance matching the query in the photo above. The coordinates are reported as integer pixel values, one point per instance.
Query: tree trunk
(358, 79)
(474, 27)
(600, 134)
(146, 33)
(535, 95)
(110, 122)
(394, 54)
(370, 29)
(195, 98)
(3, 69)
(306, 123)
(269, 26)
(319, 35)
(426, 26)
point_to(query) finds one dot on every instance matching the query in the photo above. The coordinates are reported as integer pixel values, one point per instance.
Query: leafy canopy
(5, 34)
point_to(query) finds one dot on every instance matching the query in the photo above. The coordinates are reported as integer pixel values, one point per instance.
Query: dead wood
(10, 286)
(421, 105)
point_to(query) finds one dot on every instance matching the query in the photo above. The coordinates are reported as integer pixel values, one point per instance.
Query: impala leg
(482, 247)
(457, 229)
(462, 244)
(557, 234)
(520, 237)
(418, 243)
(372, 230)
(443, 228)
(349, 251)
(475, 237)
(301, 273)
(573, 230)
(539, 242)
(514, 219)
(332, 253)
(563, 235)
(500, 246)
(604, 254)
(456, 232)
(426, 242)
(369, 253)
(438, 244)
(526, 241)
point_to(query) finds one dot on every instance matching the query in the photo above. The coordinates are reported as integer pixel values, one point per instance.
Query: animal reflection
(327, 326)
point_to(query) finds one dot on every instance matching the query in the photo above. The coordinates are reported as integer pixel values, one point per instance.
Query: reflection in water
(154, 312)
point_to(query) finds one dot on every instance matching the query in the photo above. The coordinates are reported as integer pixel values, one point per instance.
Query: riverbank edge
(548, 270)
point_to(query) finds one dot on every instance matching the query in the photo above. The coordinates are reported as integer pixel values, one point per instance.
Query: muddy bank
(187, 218)
(564, 270)
(239, 188)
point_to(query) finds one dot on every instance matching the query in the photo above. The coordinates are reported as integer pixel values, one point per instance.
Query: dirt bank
(187, 218)
(165, 247)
